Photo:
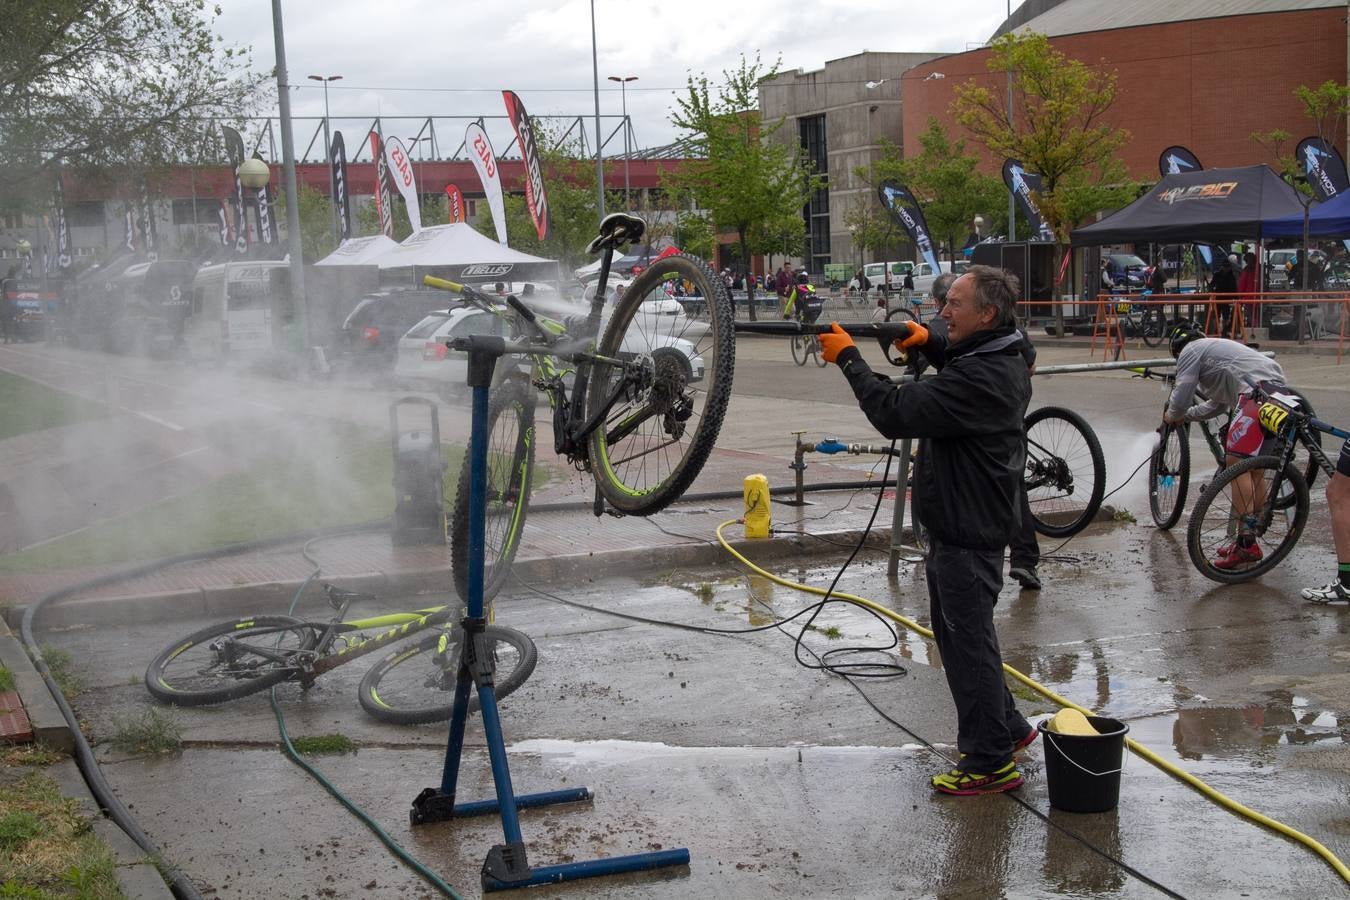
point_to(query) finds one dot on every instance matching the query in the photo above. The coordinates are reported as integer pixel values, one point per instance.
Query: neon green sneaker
(968, 784)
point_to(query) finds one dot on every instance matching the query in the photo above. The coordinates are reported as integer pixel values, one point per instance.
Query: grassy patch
(340, 474)
(323, 744)
(58, 663)
(6, 679)
(47, 848)
(16, 756)
(1121, 514)
(153, 731)
(30, 406)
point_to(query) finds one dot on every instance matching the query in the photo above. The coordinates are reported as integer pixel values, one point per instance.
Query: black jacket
(967, 479)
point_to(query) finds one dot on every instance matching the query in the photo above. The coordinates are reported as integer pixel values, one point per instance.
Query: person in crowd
(907, 287)
(785, 282)
(803, 300)
(965, 486)
(1338, 500)
(1249, 285)
(1108, 283)
(1224, 282)
(880, 312)
(1222, 370)
(1157, 280)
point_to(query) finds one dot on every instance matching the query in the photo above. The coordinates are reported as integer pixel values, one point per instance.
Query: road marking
(156, 419)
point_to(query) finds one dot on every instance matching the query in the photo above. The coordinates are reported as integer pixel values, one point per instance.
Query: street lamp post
(328, 152)
(299, 302)
(599, 157)
(1012, 207)
(623, 92)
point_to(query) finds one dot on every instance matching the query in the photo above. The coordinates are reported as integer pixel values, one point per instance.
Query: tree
(109, 85)
(749, 184)
(869, 227)
(1057, 128)
(945, 181)
(316, 221)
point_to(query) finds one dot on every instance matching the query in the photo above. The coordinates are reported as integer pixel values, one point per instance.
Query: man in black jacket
(966, 490)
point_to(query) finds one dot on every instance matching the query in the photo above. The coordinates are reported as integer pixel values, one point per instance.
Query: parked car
(876, 273)
(1277, 267)
(1128, 272)
(924, 276)
(371, 332)
(425, 361)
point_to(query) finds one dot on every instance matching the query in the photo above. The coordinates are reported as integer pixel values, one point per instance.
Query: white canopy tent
(362, 251)
(459, 252)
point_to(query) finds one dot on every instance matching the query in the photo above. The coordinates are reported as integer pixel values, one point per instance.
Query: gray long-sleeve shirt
(1218, 367)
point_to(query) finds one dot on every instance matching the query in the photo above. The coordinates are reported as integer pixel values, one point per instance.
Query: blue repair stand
(505, 866)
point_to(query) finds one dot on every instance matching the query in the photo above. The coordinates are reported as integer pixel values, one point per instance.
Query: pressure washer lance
(831, 446)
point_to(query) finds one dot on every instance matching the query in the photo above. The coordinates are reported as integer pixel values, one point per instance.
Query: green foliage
(153, 731)
(1326, 106)
(17, 828)
(749, 184)
(47, 847)
(945, 181)
(316, 221)
(6, 679)
(30, 406)
(321, 744)
(59, 664)
(112, 85)
(1058, 127)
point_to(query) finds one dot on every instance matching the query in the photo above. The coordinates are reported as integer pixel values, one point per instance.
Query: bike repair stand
(505, 866)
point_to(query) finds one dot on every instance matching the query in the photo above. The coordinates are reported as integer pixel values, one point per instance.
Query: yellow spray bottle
(757, 519)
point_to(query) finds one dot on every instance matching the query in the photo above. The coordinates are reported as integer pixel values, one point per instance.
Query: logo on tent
(493, 270)
(1213, 190)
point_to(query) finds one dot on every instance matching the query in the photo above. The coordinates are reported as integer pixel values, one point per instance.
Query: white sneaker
(1333, 592)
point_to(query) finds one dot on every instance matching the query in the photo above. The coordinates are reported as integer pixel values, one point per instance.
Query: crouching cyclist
(1224, 370)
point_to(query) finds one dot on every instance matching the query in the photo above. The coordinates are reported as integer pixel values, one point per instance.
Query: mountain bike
(1277, 506)
(413, 684)
(1169, 466)
(637, 391)
(1065, 476)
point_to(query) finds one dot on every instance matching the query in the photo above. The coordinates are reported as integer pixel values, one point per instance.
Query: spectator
(907, 286)
(1248, 285)
(1108, 284)
(1157, 279)
(879, 314)
(784, 285)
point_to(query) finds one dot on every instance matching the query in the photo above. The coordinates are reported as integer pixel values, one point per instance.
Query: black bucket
(1082, 772)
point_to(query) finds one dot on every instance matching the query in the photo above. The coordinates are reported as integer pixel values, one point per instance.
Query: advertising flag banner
(454, 203)
(1023, 183)
(267, 223)
(1323, 165)
(384, 201)
(902, 206)
(485, 163)
(63, 254)
(234, 149)
(340, 201)
(225, 219)
(129, 226)
(149, 236)
(401, 170)
(1175, 160)
(535, 198)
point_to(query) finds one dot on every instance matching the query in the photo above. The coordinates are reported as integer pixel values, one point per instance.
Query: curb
(49, 726)
(136, 874)
(242, 599)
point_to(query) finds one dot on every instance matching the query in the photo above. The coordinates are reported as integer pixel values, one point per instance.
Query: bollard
(757, 518)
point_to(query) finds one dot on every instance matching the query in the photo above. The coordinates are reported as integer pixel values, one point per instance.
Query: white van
(876, 273)
(231, 310)
(924, 276)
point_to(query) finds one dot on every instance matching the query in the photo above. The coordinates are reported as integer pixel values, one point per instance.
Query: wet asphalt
(783, 780)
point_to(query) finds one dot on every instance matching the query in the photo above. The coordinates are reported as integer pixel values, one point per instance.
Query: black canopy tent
(1206, 205)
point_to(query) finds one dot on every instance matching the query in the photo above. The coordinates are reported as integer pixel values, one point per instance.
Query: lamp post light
(623, 92)
(328, 152)
(254, 175)
(599, 157)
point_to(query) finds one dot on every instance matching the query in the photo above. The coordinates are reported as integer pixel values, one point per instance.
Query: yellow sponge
(1071, 721)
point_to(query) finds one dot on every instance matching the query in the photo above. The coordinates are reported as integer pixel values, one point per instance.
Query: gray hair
(997, 288)
(941, 285)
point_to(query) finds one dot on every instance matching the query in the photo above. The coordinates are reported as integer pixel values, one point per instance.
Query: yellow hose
(1137, 748)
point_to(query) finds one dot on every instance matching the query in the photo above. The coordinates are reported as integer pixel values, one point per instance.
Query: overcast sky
(440, 57)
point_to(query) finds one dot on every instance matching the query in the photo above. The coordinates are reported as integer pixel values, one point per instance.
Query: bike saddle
(337, 596)
(617, 230)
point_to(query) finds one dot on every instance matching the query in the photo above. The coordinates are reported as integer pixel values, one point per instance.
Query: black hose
(84, 754)
(572, 505)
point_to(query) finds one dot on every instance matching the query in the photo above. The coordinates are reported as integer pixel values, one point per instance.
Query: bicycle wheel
(1065, 472)
(799, 348)
(1214, 525)
(663, 407)
(1169, 475)
(816, 353)
(1303, 460)
(1152, 327)
(510, 468)
(228, 660)
(416, 683)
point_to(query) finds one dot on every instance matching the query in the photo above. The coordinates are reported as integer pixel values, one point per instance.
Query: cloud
(421, 58)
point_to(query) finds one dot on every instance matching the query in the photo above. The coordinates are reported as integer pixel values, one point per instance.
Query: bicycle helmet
(1183, 333)
(803, 278)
